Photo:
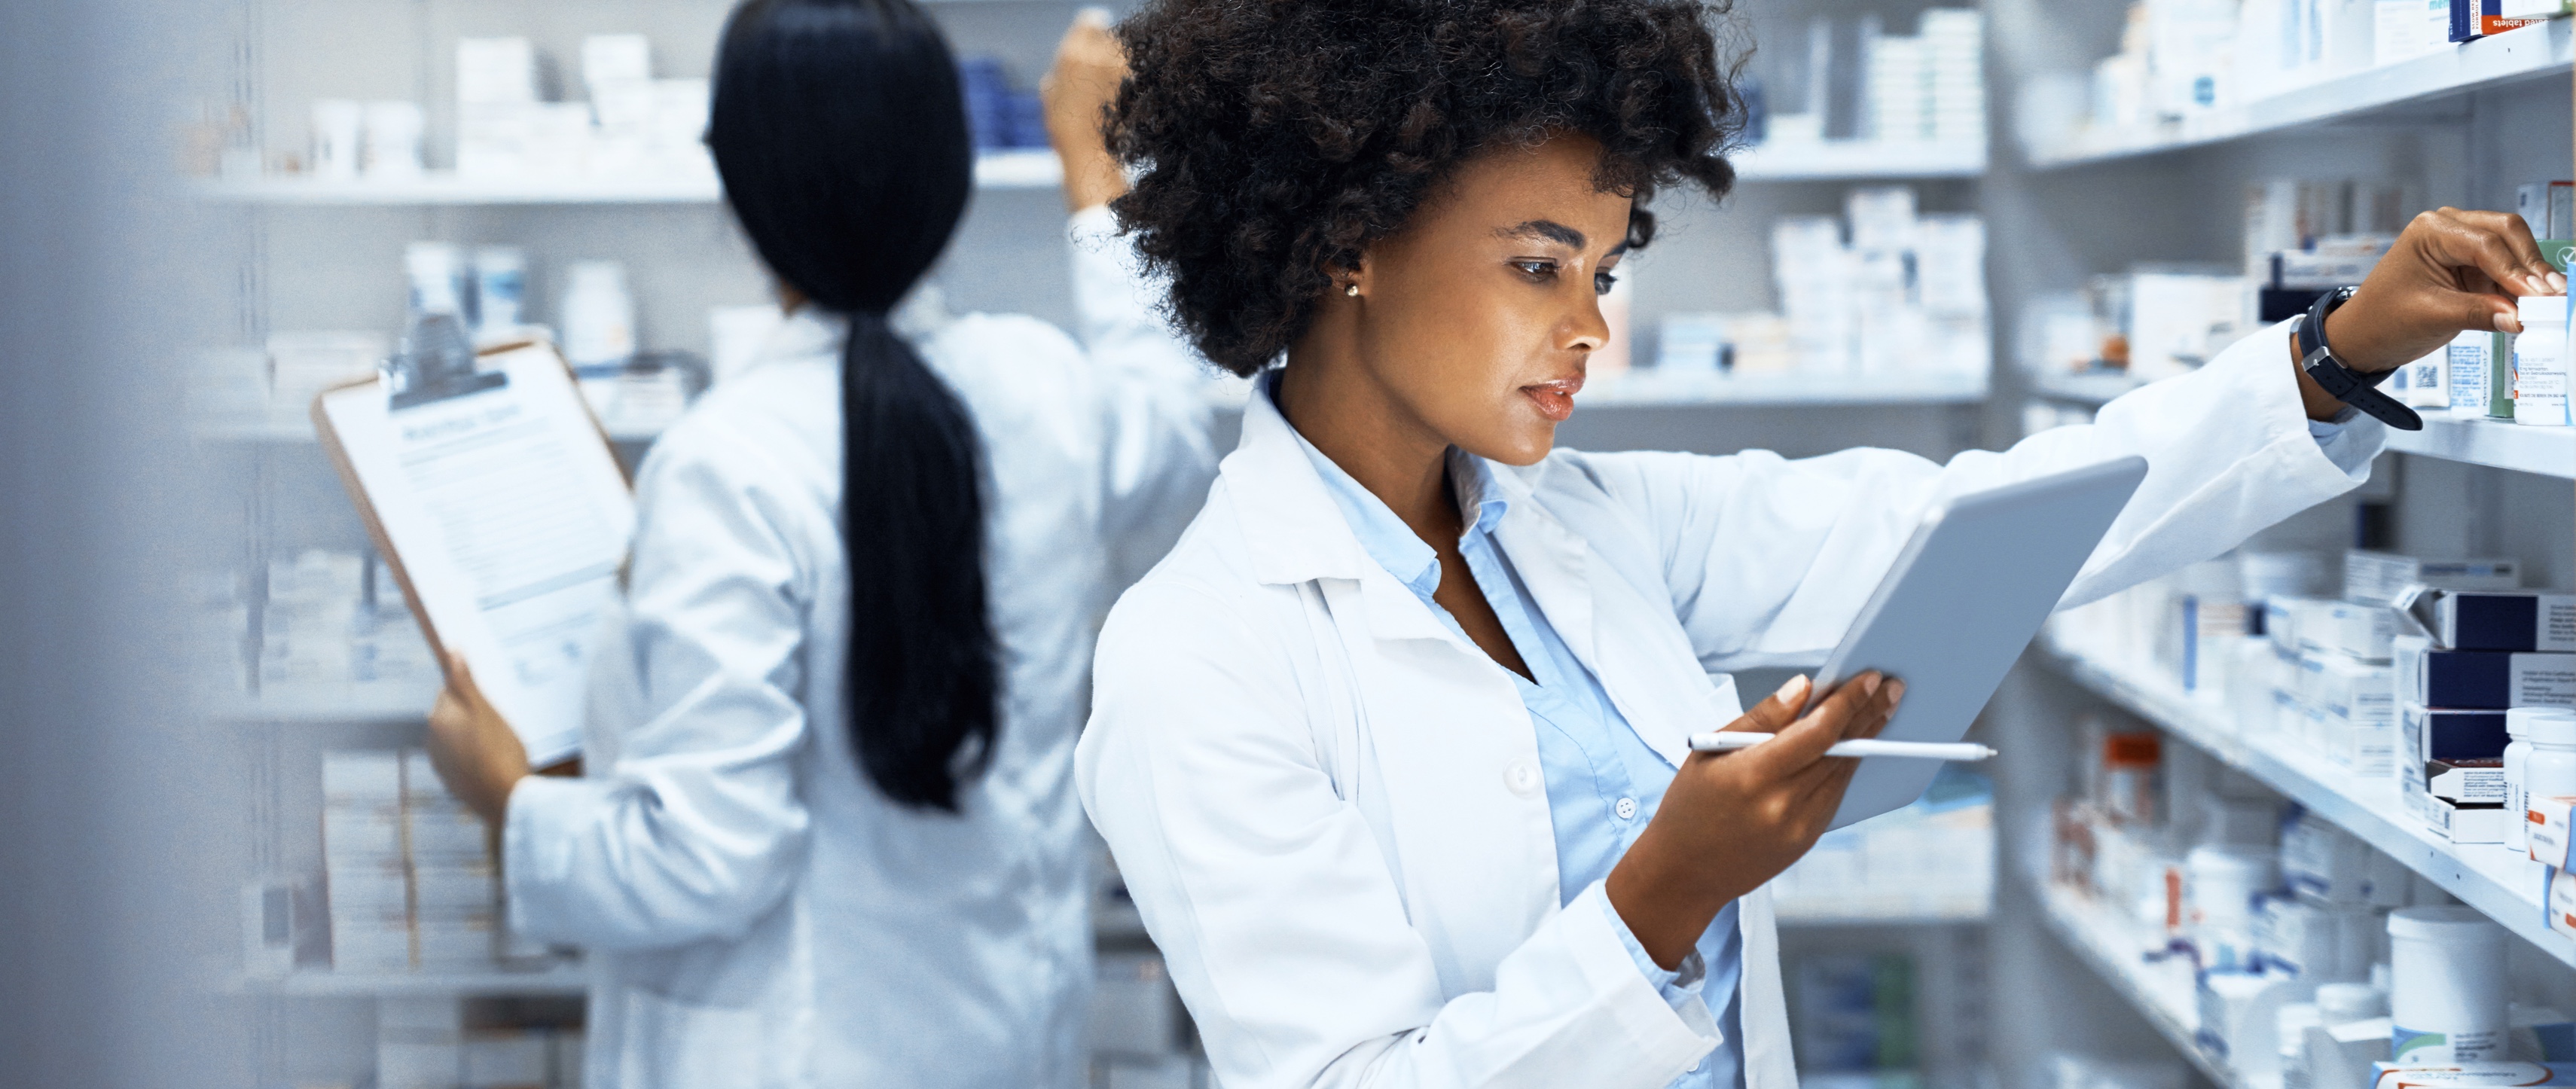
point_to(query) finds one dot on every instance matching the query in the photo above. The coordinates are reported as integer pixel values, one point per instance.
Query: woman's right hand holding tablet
(1732, 821)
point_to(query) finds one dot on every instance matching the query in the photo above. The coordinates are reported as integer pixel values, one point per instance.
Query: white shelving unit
(2496, 444)
(2407, 87)
(2162, 990)
(2506, 887)
(2548, 451)
(994, 170)
(1836, 160)
(561, 978)
(1827, 919)
(2082, 389)
(331, 705)
(1654, 388)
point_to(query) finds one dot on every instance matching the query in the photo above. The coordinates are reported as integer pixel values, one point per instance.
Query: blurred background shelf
(994, 170)
(2503, 886)
(2082, 389)
(2405, 92)
(1839, 160)
(562, 978)
(2162, 990)
(390, 702)
(1650, 387)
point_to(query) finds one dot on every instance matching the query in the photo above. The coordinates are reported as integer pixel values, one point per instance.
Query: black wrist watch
(2341, 382)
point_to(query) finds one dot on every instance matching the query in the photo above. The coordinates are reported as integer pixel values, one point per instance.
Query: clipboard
(1971, 588)
(498, 505)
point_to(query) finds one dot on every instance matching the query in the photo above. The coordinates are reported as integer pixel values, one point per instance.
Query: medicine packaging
(2484, 679)
(2520, 620)
(2429, 734)
(2382, 577)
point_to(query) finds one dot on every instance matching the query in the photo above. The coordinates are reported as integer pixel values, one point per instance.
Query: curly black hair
(1277, 138)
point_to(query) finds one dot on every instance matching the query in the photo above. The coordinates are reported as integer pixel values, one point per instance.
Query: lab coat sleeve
(1278, 915)
(695, 832)
(1158, 457)
(1769, 560)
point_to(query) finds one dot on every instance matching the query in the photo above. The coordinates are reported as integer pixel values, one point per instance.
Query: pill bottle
(2540, 363)
(2447, 990)
(2472, 354)
(500, 289)
(2222, 880)
(2516, 750)
(2548, 759)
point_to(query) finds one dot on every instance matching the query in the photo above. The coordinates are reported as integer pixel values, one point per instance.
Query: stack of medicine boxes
(410, 872)
(2479, 655)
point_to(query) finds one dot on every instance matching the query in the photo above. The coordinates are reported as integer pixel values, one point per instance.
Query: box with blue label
(2519, 620)
(2451, 736)
(2482, 679)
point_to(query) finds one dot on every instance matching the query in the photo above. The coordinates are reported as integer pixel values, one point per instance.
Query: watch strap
(2343, 383)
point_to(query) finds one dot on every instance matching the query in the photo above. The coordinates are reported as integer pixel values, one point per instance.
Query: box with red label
(2545, 830)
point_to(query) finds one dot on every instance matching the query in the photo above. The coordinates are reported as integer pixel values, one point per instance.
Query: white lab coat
(757, 913)
(1329, 806)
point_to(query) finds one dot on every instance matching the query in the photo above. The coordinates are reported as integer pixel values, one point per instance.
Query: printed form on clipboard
(495, 499)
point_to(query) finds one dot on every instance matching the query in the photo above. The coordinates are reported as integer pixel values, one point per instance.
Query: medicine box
(2466, 781)
(2545, 828)
(2431, 734)
(2460, 822)
(2380, 577)
(2484, 679)
(2520, 621)
(2360, 632)
(2558, 901)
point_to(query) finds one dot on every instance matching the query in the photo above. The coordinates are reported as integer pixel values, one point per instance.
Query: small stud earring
(1352, 290)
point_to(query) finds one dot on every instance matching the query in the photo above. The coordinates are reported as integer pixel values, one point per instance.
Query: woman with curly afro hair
(1392, 750)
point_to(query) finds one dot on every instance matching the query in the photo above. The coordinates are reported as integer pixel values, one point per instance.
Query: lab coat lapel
(1637, 650)
(1471, 841)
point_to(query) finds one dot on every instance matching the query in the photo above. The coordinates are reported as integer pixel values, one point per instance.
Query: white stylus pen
(1729, 741)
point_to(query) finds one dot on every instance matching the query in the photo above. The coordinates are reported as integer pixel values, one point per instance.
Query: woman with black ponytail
(829, 835)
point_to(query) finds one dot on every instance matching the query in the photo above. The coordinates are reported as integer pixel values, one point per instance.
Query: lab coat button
(1523, 778)
(1627, 809)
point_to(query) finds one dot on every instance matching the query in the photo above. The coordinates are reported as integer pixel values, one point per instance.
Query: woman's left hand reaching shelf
(477, 754)
(1076, 93)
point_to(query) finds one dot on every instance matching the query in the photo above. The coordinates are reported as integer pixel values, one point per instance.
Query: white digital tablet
(1971, 588)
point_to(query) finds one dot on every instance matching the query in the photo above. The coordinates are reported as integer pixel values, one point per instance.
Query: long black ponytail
(839, 131)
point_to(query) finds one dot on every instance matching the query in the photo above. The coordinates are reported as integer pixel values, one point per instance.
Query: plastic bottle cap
(2442, 924)
(2543, 725)
(2338, 1003)
(2543, 309)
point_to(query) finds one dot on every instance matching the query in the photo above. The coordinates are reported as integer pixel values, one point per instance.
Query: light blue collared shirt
(1603, 782)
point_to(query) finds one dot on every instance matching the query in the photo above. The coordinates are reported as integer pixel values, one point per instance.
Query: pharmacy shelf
(376, 703)
(2505, 886)
(560, 978)
(2082, 389)
(2548, 451)
(1650, 388)
(2162, 990)
(1839, 160)
(994, 170)
(1962, 915)
(2420, 87)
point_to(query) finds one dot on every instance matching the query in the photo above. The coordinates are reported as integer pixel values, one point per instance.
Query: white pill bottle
(2548, 765)
(2447, 993)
